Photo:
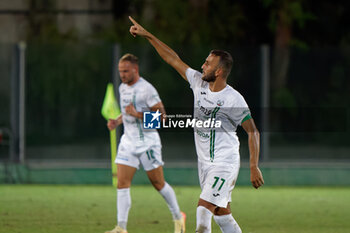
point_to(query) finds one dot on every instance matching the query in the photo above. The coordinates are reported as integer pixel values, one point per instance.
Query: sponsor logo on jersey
(127, 101)
(202, 134)
(205, 110)
(122, 158)
(211, 102)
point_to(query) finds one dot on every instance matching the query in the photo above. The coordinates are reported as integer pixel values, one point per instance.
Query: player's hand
(136, 29)
(256, 177)
(130, 109)
(112, 124)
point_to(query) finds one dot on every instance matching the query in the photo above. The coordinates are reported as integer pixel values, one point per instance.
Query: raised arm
(254, 147)
(168, 55)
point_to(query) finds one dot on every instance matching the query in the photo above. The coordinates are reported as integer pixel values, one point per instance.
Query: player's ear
(218, 71)
(136, 69)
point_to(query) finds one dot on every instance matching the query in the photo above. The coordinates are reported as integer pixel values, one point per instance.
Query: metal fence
(308, 119)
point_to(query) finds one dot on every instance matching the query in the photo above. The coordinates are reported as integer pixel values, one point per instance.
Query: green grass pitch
(91, 209)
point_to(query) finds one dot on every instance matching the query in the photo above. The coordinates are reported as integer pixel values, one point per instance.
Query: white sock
(203, 220)
(123, 206)
(227, 223)
(169, 196)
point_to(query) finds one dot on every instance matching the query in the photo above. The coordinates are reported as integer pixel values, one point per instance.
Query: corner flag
(110, 110)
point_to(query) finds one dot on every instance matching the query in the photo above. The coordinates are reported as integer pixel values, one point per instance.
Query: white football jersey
(143, 96)
(217, 145)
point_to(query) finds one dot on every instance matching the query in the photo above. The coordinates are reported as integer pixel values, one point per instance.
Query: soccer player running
(217, 150)
(137, 145)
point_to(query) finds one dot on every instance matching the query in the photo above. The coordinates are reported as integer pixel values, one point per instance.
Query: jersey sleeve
(240, 111)
(194, 78)
(152, 97)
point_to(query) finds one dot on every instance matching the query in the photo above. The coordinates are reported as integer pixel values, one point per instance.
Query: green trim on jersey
(247, 117)
(150, 154)
(137, 120)
(212, 135)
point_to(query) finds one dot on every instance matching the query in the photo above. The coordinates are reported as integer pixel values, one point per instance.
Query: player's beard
(209, 77)
(128, 80)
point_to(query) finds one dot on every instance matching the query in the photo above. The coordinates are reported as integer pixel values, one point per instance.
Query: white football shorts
(149, 156)
(217, 182)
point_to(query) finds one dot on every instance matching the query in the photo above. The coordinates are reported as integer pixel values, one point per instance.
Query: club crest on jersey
(220, 102)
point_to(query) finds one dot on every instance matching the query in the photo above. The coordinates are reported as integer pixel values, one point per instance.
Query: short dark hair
(225, 61)
(130, 58)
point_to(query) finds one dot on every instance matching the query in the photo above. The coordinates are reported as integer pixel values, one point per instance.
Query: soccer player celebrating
(137, 145)
(217, 149)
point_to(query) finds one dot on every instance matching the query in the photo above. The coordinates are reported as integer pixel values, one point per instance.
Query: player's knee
(204, 216)
(158, 184)
(202, 229)
(122, 184)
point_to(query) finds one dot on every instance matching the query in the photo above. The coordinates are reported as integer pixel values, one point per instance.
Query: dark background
(67, 70)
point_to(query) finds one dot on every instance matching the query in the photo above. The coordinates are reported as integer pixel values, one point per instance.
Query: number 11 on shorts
(216, 182)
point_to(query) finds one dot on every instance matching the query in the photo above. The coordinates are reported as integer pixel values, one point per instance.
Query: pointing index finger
(133, 21)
